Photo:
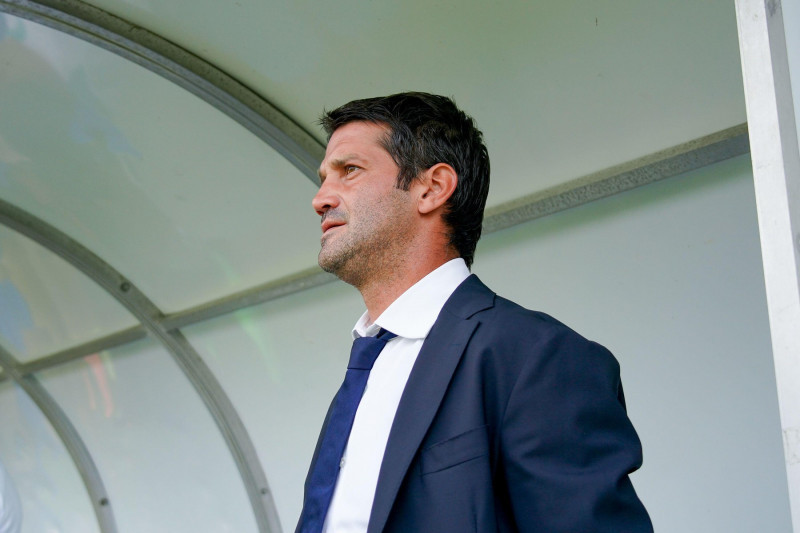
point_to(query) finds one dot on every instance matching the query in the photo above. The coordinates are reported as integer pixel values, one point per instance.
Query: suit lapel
(426, 386)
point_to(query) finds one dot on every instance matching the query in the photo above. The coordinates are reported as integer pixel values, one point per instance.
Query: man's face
(366, 220)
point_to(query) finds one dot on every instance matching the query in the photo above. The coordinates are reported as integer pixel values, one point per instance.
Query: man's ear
(436, 185)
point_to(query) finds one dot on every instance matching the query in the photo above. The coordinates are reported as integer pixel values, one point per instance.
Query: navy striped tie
(322, 479)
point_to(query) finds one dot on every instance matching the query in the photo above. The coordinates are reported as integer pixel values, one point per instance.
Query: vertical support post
(776, 170)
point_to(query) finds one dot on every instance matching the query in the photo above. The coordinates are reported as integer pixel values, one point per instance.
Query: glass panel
(46, 304)
(163, 460)
(52, 493)
(281, 377)
(181, 199)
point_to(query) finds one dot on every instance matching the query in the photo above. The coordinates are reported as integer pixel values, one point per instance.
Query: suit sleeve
(567, 445)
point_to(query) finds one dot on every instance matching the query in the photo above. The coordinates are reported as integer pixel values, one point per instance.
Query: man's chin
(339, 264)
(329, 262)
(326, 267)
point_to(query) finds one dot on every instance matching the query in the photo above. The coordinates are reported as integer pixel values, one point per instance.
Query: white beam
(776, 169)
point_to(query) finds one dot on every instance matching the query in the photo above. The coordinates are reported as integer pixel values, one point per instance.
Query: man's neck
(379, 294)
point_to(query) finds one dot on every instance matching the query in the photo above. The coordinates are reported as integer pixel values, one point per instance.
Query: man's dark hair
(423, 130)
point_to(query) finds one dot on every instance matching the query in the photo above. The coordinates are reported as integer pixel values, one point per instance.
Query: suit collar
(425, 389)
(471, 297)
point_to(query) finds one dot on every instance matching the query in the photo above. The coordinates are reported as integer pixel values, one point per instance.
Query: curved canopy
(157, 161)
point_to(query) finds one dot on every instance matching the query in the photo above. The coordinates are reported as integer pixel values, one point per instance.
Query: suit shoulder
(509, 333)
(509, 310)
(509, 330)
(511, 319)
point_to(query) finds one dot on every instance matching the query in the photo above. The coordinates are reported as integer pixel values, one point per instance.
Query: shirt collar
(414, 312)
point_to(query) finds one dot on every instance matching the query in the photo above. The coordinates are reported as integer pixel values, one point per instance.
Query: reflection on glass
(184, 201)
(281, 363)
(53, 496)
(40, 296)
(162, 458)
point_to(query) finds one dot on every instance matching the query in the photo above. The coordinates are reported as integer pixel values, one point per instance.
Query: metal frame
(108, 342)
(685, 157)
(71, 439)
(180, 66)
(151, 318)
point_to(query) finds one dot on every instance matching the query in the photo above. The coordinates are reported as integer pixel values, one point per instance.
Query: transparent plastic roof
(46, 305)
(52, 494)
(182, 200)
(281, 378)
(163, 461)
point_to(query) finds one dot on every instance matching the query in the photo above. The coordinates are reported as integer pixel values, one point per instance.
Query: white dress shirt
(411, 317)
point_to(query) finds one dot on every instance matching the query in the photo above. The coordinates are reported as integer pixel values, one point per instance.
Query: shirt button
(341, 463)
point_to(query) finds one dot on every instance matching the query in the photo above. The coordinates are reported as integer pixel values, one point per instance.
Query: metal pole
(776, 172)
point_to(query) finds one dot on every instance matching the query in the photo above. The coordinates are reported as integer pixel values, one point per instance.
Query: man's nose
(324, 199)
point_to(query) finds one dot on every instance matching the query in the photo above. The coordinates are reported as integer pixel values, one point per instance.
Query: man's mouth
(330, 221)
(330, 224)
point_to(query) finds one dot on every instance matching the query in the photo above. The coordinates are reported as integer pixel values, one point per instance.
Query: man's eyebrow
(344, 160)
(339, 162)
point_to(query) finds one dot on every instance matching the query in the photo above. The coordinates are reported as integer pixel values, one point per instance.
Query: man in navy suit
(479, 416)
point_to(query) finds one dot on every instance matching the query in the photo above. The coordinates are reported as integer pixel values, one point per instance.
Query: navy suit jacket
(510, 421)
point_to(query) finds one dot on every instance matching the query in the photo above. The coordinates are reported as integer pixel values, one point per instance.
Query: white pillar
(772, 118)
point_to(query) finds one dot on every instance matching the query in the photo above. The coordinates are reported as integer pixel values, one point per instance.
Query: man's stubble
(372, 244)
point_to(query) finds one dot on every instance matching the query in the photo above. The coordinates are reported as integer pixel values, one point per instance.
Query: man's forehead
(353, 141)
(359, 131)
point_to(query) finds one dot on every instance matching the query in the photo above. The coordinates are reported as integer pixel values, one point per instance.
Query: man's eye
(349, 169)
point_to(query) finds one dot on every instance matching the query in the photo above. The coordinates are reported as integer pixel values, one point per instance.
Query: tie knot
(366, 350)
